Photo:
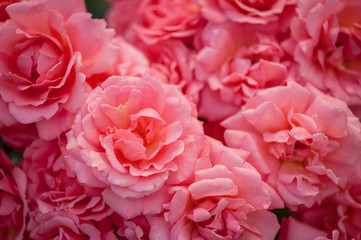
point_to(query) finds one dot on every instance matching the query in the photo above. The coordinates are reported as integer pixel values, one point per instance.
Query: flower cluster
(181, 119)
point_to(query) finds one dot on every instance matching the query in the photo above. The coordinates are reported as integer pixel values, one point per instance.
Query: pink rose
(234, 61)
(296, 230)
(227, 200)
(122, 14)
(13, 205)
(52, 186)
(340, 213)
(171, 62)
(130, 61)
(304, 143)
(133, 137)
(48, 47)
(44, 167)
(59, 204)
(61, 225)
(244, 11)
(326, 43)
(161, 19)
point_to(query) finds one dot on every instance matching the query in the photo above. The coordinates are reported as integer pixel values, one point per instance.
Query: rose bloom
(227, 200)
(122, 14)
(159, 20)
(244, 11)
(130, 61)
(47, 50)
(61, 225)
(339, 213)
(59, 205)
(170, 62)
(296, 230)
(13, 205)
(52, 187)
(133, 137)
(305, 143)
(233, 62)
(326, 44)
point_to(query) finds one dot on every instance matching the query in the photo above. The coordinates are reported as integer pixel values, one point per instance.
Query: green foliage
(14, 155)
(97, 7)
(281, 213)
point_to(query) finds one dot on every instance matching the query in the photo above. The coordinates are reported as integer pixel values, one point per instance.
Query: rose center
(38, 61)
(297, 152)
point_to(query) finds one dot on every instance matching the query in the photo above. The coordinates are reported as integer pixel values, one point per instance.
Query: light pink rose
(349, 212)
(227, 200)
(48, 47)
(233, 62)
(161, 19)
(305, 143)
(340, 212)
(326, 43)
(170, 62)
(296, 230)
(122, 14)
(13, 205)
(59, 205)
(130, 62)
(337, 218)
(61, 225)
(54, 188)
(133, 137)
(244, 11)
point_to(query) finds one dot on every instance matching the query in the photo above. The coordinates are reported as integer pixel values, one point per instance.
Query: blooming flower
(13, 204)
(294, 229)
(160, 20)
(44, 60)
(227, 200)
(339, 214)
(326, 43)
(132, 137)
(233, 62)
(119, 133)
(58, 204)
(303, 142)
(244, 11)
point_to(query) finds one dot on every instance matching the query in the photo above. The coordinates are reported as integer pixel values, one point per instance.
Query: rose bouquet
(180, 119)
